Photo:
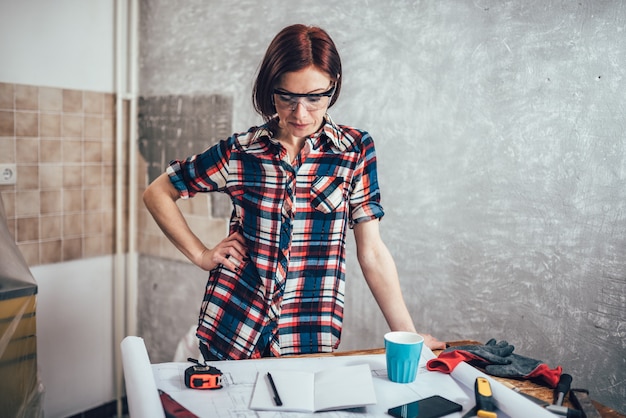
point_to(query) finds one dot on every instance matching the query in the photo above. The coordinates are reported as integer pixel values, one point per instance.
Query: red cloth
(446, 362)
(173, 409)
(548, 375)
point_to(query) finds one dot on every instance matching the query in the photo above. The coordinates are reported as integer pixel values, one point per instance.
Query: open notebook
(325, 390)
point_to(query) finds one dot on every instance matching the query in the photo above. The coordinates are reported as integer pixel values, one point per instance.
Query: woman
(297, 183)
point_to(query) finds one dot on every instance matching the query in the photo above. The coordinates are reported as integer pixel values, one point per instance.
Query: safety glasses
(311, 101)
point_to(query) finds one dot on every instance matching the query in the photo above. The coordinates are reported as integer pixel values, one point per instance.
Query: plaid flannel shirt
(288, 297)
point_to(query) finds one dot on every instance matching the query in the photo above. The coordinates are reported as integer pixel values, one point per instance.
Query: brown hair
(294, 48)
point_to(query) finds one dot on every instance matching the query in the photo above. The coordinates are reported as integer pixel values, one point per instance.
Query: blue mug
(403, 350)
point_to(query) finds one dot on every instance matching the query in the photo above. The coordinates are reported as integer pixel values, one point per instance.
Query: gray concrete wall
(500, 133)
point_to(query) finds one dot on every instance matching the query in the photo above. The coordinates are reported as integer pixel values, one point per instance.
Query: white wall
(74, 335)
(61, 43)
(67, 44)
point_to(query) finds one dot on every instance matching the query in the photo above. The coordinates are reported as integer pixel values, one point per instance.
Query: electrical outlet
(8, 174)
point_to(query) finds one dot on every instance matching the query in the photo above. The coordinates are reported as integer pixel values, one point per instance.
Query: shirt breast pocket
(327, 193)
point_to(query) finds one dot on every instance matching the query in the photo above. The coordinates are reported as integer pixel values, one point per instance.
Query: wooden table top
(524, 386)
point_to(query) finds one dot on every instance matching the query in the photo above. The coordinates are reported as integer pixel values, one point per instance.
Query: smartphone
(431, 407)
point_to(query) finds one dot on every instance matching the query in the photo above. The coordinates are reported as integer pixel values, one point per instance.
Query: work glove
(478, 355)
(497, 359)
(525, 368)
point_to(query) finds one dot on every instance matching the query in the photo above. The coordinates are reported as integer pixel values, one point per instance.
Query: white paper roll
(142, 393)
(508, 401)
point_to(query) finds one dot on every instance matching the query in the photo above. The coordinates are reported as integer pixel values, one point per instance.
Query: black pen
(276, 396)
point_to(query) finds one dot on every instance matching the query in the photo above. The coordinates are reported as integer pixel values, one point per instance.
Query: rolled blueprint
(508, 401)
(141, 390)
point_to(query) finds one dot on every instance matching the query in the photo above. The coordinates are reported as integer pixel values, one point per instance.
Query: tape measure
(203, 377)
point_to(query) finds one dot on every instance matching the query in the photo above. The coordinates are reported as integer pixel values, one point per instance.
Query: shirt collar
(333, 132)
(329, 130)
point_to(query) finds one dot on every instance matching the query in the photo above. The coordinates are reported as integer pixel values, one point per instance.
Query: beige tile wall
(63, 205)
(62, 142)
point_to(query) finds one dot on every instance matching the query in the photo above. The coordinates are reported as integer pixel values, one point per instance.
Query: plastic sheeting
(21, 392)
